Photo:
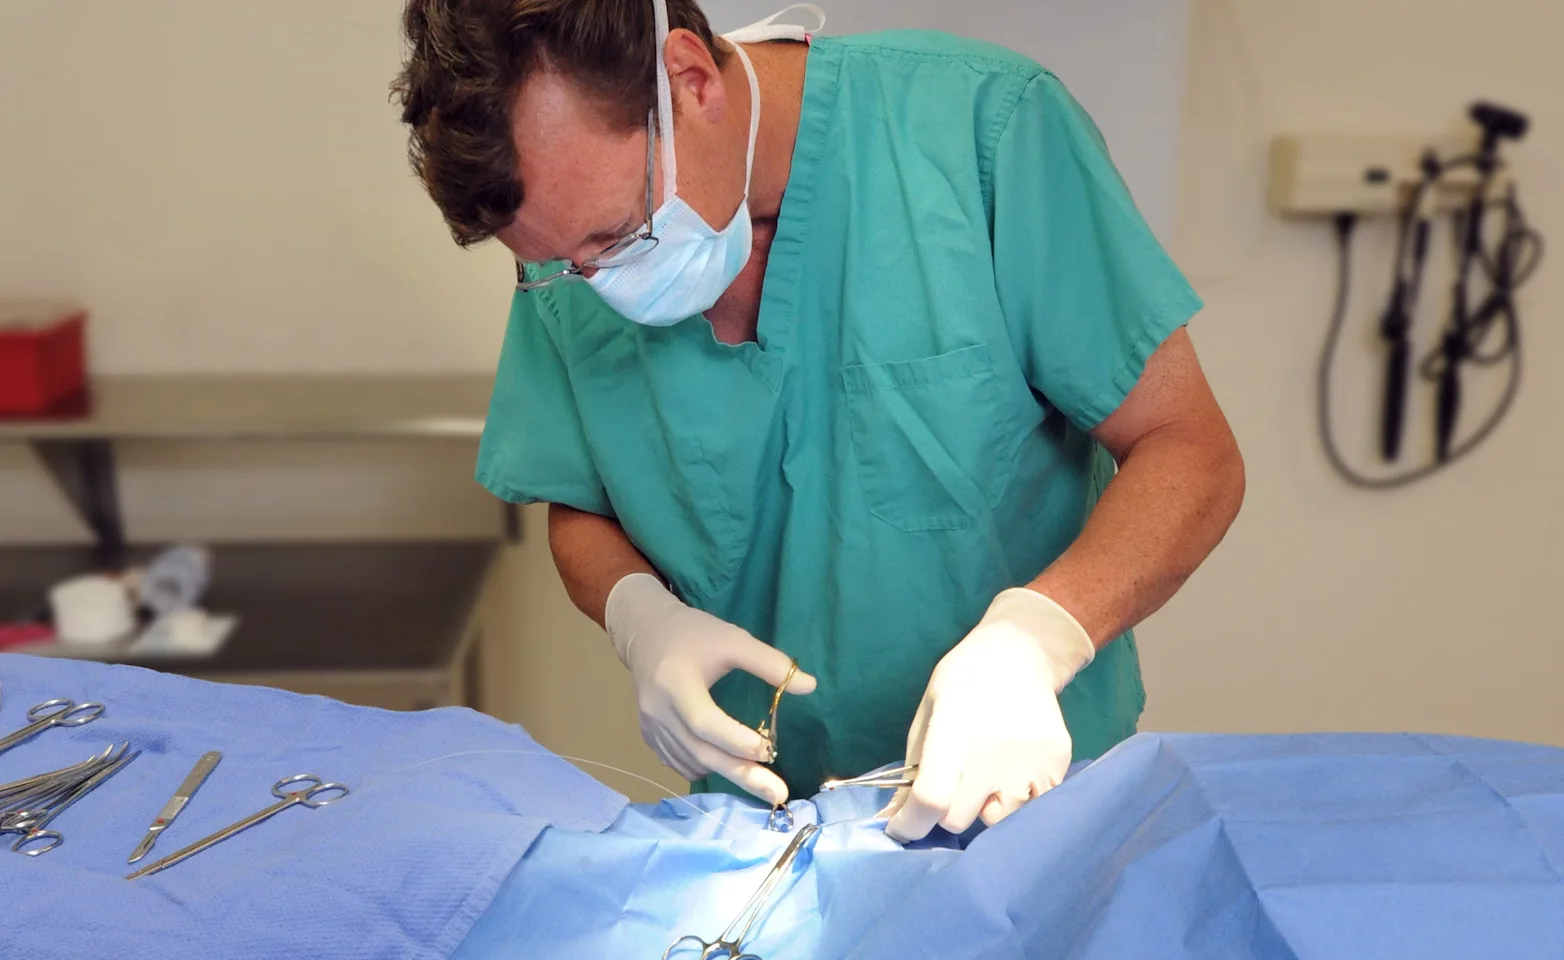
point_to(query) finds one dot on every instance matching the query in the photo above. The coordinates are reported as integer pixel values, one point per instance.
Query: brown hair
(466, 60)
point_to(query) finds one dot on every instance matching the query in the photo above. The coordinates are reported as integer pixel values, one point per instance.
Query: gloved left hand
(675, 653)
(989, 735)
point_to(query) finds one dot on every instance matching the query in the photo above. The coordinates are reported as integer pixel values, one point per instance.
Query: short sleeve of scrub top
(535, 449)
(1087, 290)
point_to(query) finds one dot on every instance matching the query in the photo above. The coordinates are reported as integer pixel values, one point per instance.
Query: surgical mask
(692, 264)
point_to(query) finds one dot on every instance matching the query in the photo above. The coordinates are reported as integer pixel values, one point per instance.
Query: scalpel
(176, 803)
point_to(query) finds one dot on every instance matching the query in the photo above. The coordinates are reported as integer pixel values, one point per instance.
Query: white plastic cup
(91, 609)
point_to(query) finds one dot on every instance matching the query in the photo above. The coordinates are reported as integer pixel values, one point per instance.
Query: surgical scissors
(729, 944)
(308, 797)
(32, 825)
(20, 797)
(52, 713)
(29, 786)
(894, 778)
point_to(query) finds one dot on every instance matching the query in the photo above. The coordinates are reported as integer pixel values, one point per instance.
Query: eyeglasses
(626, 249)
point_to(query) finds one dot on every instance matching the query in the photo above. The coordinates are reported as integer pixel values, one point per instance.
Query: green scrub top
(959, 288)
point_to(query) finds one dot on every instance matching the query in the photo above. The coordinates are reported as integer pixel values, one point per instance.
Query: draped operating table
(463, 838)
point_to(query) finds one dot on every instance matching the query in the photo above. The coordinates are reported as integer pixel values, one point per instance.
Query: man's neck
(779, 70)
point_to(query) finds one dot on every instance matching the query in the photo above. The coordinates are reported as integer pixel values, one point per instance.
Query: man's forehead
(554, 220)
(573, 167)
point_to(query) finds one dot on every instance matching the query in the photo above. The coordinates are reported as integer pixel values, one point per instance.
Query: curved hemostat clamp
(729, 944)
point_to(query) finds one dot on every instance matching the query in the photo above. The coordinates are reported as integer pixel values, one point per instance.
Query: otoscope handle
(1449, 406)
(1398, 362)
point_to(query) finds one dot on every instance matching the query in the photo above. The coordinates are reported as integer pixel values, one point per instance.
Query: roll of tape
(91, 609)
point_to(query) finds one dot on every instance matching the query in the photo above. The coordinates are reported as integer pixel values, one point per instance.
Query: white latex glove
(675, 653)
(988, 735)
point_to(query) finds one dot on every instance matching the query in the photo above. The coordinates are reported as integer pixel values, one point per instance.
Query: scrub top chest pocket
(934, 438)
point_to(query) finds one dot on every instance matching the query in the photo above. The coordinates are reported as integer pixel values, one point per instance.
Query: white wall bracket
(1371, 174)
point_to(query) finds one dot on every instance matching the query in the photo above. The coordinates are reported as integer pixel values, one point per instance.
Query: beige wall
(175, 160)
(1432, 608)
(225, 185)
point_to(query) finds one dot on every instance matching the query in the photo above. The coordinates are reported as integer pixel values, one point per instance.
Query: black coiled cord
(1511, 262)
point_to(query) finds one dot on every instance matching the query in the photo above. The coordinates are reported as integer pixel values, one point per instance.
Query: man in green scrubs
(853, 351)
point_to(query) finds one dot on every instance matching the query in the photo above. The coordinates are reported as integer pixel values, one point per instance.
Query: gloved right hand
(675, 653)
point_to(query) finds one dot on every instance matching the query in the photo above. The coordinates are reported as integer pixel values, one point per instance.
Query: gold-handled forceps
(780, 819)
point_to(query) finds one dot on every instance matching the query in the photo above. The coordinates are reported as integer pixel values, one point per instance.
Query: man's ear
(694, 77)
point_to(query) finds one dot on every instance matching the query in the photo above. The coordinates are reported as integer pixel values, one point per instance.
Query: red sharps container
(43, 355)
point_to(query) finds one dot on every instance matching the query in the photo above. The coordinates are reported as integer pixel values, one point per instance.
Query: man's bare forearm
(1178, 489)
(1170, 505)
(592, 553)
